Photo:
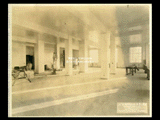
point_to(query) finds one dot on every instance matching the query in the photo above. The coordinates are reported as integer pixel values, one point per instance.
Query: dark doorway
(62, 57)
(30, 58)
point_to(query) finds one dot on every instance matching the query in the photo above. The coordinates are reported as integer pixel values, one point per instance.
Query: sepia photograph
(79, 60)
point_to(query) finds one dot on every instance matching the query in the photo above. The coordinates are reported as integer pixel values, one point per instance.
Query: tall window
(94, 55)
(135, 54)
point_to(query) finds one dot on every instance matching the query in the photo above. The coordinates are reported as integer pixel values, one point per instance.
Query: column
(105, 55)
(83, 53)
(143, 53)
(147, 55)
(99, 57)
(112, 55)
(68, 56)
(39, 54)
(58, 54)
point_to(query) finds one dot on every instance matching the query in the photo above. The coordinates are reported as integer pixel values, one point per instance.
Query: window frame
(131, 60)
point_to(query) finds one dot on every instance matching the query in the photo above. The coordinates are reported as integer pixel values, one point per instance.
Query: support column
(39, 54)
(83, 53)
(99, 57)
(105, 55)
(143, 53)
(112, 55)
(68, 56)
(58, 54)
(147, 55)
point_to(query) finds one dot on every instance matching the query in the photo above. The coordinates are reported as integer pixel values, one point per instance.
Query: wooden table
(132, 70)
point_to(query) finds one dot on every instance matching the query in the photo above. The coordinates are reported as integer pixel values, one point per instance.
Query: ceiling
(132, 13)
(73, 19)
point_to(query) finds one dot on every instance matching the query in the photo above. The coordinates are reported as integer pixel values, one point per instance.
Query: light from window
(135, 54)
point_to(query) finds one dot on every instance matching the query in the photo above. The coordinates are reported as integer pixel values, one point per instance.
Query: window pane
(135, 54)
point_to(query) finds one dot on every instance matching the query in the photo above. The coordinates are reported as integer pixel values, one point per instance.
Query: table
(132, 70)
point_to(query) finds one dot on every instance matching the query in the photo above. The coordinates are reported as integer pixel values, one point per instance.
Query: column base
(83, 71)
(113, 73)
(68, 74)
(105, 77)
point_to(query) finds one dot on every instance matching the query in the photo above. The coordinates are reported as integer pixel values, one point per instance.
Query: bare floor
(80, 95)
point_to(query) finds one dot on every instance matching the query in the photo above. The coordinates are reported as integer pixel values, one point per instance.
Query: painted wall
(120, 58)
(18, 54)
(75, 44)
(49, 49)
(29, 50)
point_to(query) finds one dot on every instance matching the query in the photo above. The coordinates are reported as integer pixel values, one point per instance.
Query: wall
(29, 50)
(75, 44)
(18, 54)
(75, 53)
(18, 31)
(49, 49)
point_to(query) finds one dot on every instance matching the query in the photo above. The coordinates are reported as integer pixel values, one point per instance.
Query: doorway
(30, 55)
(62, 57)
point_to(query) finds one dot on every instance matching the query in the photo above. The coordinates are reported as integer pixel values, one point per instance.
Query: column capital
(40, 36)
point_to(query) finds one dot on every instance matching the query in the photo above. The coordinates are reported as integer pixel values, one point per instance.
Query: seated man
(146, 70)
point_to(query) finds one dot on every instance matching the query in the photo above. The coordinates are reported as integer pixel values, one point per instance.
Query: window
(94, 55)
(135, 54)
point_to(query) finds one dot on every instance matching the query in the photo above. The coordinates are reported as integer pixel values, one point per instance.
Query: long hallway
(71, 60)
